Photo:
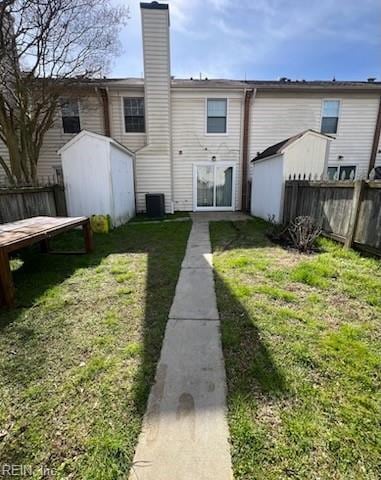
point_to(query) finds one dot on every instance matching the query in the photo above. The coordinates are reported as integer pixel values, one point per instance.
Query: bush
(301, 233)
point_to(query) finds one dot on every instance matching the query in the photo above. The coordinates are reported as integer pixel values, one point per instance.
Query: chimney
(156, 156)
(157, 72)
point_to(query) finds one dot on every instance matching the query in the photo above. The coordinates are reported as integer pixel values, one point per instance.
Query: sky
(263, 39)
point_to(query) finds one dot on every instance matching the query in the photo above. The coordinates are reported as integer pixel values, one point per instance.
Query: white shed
(99, 177)
(303, 154)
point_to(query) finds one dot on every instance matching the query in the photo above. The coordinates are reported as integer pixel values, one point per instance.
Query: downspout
(245, 147)
(376, 141)
(106, 111)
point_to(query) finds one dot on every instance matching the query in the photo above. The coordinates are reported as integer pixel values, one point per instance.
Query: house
(194, 139)
(305, 155)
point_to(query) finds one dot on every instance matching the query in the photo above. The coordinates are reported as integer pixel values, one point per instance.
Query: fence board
(25, 202)
(331, 203)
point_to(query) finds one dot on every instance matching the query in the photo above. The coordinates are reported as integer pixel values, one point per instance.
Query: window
(216, 121)
(347, 172)
(330, 116)
(134, 114)
(70, 115)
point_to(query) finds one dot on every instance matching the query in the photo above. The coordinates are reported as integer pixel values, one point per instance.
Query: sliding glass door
(214, 186)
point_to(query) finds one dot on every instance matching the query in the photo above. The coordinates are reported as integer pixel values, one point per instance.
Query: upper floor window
(70, 115)
(330, 116)
(134, 114)
(216, 115)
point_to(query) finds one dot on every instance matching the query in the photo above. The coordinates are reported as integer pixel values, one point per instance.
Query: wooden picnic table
(20, 234)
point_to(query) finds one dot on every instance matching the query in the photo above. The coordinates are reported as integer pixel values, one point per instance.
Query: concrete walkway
(185, 432)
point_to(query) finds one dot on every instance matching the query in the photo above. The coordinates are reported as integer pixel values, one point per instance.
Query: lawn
(78, 354)
(302, 345)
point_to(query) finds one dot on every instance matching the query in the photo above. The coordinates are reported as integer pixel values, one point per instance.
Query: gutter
(376, 141)
(245, 147)
(106, 110)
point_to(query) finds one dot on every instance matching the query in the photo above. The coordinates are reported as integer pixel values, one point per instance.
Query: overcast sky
(264, 39)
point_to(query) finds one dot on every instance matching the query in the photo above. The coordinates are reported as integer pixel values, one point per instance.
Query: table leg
(44, 246)
(7, 290)
(88, 237)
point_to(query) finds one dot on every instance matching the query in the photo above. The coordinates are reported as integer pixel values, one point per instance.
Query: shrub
(303, 233)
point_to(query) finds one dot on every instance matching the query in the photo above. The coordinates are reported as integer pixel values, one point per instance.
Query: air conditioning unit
(155, 205)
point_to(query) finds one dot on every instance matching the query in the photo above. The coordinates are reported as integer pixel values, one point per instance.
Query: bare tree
(46, 48)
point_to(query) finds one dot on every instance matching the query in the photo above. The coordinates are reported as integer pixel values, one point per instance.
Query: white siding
(188, 136)
(268, 188)
(306, 155)
(133, 141)
(91, 119)
(277, 116)
(153, 162)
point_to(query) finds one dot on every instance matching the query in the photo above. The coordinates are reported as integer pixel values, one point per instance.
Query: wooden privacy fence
(347, 211)
(17, 203)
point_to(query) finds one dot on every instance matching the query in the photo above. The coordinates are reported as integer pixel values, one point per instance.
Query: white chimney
(154, 167)
(157, 73)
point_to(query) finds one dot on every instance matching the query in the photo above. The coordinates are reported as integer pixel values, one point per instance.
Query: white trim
(123, 120)
(328, 99)
(215, 97)
(194, 193)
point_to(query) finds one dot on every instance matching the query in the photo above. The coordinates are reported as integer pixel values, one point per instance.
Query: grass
(78, 354)
(302, 345)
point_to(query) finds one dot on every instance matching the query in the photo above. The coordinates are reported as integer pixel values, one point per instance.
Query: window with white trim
(134, 121)
(330, 116)
(216, 115)
(70, 115)
(342, 172)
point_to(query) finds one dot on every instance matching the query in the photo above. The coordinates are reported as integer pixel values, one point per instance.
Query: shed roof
(87, 133)
(279, 147)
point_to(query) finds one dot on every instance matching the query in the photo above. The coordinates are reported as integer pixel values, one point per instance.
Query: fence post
(356, 204)
(294, 200)
(59, 200)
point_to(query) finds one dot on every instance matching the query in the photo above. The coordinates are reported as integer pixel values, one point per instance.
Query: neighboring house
(194, 139)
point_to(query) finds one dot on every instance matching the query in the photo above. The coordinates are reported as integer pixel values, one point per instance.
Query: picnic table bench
(20, 234)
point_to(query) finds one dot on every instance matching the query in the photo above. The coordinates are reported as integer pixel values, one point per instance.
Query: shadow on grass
(36, 281)
(250, 367)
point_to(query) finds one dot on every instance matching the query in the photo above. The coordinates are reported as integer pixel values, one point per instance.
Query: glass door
(205, 186)
(214, 187)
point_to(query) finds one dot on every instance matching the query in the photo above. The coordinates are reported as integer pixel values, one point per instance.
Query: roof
(87, 133)
(206, 83)
(287, 84)
(279, 147)
(216, 83)
(314, 85)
